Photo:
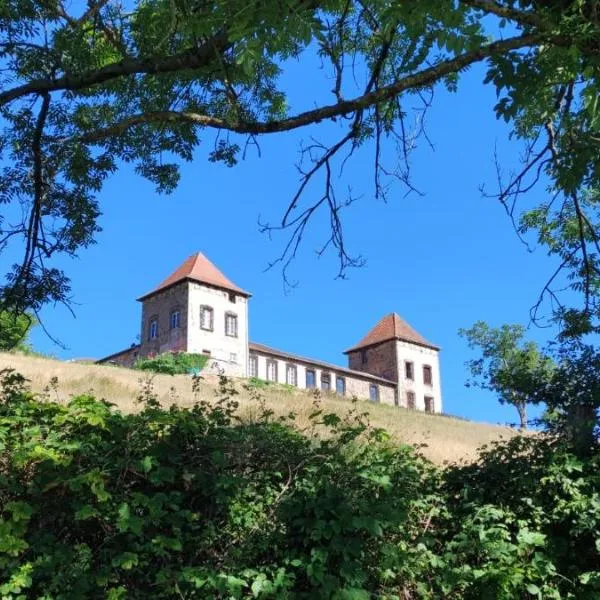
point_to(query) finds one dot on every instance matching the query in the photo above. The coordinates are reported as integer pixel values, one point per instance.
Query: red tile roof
(198, 268)
(262, 349)
(392, 327)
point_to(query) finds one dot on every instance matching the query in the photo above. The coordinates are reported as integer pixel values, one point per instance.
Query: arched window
(175, 319)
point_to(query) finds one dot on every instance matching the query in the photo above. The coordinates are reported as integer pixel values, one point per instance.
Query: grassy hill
(442, 438)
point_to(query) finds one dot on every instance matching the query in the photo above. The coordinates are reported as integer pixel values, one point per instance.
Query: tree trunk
(522, 410)
(581, 422)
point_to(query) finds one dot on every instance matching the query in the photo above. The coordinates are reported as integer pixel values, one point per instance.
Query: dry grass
(444, 439)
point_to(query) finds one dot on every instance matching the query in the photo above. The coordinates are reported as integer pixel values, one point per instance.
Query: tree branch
(424, 78)
(191, 59)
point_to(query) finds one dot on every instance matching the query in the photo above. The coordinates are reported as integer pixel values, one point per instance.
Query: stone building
(197, 309)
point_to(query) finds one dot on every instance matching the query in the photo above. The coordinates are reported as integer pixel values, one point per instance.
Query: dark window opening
(340, 386)
(410, 400)
(153, 329)
(409, 370)
(427, 376)
(311, 379)
(428, 404)
(363, 357)
(325, 382)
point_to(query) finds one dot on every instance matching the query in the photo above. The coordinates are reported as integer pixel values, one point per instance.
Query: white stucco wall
(220, 346)
(419, 356)
(355, 386)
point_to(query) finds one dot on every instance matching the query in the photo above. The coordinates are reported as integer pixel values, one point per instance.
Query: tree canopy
(516, 370)
(85, 88)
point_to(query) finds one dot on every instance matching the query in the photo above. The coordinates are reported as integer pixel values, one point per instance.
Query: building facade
(197, 309)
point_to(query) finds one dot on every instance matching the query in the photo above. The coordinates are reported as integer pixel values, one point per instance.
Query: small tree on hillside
(508, 366)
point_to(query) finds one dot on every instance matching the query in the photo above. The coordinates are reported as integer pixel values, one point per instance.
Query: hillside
(442, 438)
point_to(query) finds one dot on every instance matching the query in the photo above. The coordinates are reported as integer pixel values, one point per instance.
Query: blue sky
(442, 261)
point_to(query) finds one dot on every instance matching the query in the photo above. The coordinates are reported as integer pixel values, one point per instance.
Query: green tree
(14, 330)
(571, 393)
(145, 82)
(509, 366)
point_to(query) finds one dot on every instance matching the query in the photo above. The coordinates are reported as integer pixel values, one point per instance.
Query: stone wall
(160, 306)
(380, 360)
(125, 358)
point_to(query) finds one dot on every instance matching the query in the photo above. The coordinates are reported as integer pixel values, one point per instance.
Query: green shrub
(196, 503)
(257, 383)
(173, 363)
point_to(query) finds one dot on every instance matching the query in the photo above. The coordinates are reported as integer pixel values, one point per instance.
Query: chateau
(197, 309)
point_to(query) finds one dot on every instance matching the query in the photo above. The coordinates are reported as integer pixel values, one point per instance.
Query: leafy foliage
(173, 363)
(85, 88)
(14, 329)
(196, 503)
(510, 367)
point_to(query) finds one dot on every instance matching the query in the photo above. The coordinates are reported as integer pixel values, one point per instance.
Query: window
(291, 375)
(205, 352)
(233, 357)
(153, 329)
(206, 318)
(232, 297)
(427, 378)
(271, 370)
(231, 325)
(340, 386)
(325, 382)
(410, 400)
(175, 319)
(311, 379)
(253, 365)
(363, 357)
(409, 370)
(428, 404)
(374, 393)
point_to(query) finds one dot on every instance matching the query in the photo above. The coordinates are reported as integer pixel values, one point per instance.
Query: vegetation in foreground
(196, 503)
(441, 439)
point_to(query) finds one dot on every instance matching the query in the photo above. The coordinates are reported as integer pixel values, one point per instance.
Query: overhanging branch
(422, 79)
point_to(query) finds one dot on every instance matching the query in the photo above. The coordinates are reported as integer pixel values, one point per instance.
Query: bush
(196, 503)
(173, 363)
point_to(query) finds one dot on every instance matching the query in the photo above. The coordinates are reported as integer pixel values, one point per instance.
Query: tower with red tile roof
(395, 351)
(197, 309)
